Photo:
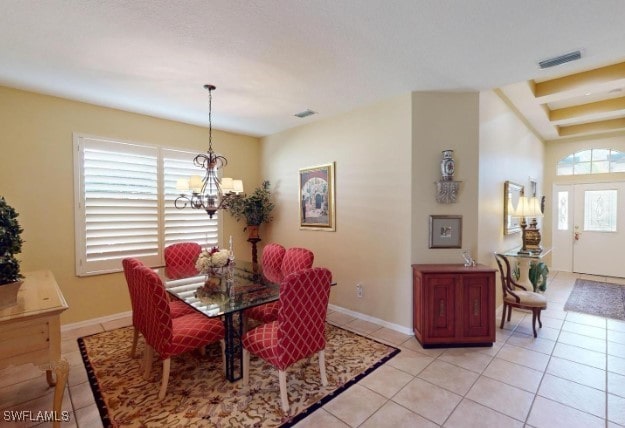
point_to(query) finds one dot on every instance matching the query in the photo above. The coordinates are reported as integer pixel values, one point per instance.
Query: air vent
(305, 113)
(552, 62)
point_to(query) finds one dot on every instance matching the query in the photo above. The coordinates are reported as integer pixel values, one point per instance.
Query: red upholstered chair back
(182, 256)
(304, 299)
(272, 262)
(154, 303)
(130, 273)
(296, 259)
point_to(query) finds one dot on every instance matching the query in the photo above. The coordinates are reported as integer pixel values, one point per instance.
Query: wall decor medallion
(316, 198)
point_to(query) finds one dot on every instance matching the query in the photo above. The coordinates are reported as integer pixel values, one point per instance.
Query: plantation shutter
(186, 225)
(125, 196)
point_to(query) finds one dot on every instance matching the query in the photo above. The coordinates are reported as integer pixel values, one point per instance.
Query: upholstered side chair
(180, 259)
(271, 261)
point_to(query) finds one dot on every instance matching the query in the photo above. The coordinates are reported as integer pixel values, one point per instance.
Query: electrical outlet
(359, 290)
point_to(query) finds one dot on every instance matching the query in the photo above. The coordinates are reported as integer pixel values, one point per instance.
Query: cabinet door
(476, 299)
(440, 298)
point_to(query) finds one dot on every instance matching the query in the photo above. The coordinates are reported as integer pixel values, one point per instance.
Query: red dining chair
(180, 259)
(170, 336)
(299, 331)
(272, 270)
(177, 308)
(296, 259)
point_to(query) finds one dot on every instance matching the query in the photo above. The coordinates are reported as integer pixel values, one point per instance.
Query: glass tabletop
(515, 252)
(247, 288)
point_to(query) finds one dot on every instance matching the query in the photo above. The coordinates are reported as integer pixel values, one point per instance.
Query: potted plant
(10, 246)
(255, 209)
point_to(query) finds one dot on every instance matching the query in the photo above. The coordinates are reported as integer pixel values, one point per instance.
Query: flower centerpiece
(212, 262)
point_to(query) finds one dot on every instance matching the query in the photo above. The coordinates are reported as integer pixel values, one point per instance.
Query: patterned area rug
(597, 298)
(198, 394)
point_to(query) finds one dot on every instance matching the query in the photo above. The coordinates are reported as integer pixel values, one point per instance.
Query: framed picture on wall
(445, 231)
(316, 198)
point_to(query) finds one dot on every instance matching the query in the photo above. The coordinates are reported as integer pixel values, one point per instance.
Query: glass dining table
(243, 286)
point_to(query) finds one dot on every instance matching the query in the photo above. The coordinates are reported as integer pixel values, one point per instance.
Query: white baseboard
(360, 316)
(92, 321)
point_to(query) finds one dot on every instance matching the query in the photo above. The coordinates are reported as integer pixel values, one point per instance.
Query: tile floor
(572, 375)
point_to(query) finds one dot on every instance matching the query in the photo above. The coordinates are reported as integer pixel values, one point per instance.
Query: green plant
(10, 243)
(255, 208)
(538, 276)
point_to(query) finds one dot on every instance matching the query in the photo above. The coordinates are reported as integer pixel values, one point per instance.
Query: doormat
(603, 299)
(199, 395)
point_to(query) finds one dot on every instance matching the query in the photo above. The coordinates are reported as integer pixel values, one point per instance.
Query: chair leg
(540, 323)
(223, 354)
(147, 361)
(503, 315)
(534, 322)
(165, 381)
(322, 367)
(135, 340)
(246, 366)
(509, 312)
(283, 395)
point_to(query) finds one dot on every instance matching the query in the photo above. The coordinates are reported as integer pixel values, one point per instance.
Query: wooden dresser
(30, 332)
(453, 305)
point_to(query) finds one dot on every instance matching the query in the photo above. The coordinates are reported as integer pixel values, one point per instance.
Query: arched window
(592, 161)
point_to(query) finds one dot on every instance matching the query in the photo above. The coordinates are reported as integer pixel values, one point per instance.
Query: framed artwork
(445, 231)
(316, 198)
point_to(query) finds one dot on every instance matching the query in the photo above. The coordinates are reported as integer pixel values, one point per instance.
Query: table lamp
(529, 207)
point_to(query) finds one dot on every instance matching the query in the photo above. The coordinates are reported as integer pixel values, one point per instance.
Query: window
(563, 210)
(600, 210)
(124, 195)
(593, 161)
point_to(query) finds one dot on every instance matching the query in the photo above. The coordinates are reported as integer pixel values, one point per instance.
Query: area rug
(597, 298)
(198, 394)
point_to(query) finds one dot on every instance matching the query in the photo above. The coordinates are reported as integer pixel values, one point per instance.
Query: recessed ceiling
(271, 59)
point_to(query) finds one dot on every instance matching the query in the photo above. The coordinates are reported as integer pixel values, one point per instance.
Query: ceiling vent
(552, 62)
(305, 113)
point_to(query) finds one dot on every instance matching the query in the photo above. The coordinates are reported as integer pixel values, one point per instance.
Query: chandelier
(209, 193)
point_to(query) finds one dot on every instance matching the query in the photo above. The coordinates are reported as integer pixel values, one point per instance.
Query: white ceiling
(271, 59)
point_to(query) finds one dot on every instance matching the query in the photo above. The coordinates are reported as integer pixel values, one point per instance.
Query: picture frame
(316, 198)
(511, 194)
(445, 231)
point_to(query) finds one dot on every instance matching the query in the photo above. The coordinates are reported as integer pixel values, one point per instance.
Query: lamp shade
(227, 185)
(535, 207)
(238, 186)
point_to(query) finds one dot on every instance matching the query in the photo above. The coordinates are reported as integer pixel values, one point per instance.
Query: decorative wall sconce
(446, 187)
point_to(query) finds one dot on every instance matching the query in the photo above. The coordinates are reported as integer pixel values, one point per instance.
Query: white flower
(210, 259)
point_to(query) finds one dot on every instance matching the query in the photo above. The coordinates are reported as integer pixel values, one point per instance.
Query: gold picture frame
(316, 198)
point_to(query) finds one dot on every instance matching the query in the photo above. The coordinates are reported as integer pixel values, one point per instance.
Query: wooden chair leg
(503, 315)
(283, 394)
(147, 361)
(540, 323)
(322, 367)
(165, 381)
(222, 342)
(534, 322)
(509, 312)
(246, 366)
(135, 340)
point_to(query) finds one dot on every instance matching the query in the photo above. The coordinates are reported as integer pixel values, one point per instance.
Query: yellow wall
(36, 177)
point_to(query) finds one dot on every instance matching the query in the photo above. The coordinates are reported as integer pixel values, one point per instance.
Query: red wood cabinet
(453, 305)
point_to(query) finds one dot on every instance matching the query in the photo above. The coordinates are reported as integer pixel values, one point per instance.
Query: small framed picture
(445, 231)
(316, 198)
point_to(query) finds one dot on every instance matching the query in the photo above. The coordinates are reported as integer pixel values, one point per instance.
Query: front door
(598, 229)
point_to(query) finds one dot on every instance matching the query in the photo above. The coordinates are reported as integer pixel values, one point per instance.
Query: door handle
(576, 236)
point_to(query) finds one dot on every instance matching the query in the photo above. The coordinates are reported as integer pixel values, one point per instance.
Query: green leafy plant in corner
(10, 243)
(538, 274)
(254, 208)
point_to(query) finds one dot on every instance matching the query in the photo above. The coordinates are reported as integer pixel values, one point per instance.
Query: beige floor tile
(410, 362)
(355, 405)
(74, 359)
(616, 409)
(549, 414)
(468, 358)
(616, 364)
(448, 376)
(616, 325)
(339, 318)
(75, 333)
(514, 374)
(537, 344)
(390, 336)
(583, 356)
(469, 414)
(396, 416)
(69, 345)
(386, 380)
(362, 326)
(42, 403)
(585, 330)
(573, 394)
(17, 393)
(117, 323)
(77, 375)
(501, 397)
(88, 417)
(616, 336)
(580, 373)
(430, 401)
(585, 319)
(20, 373)
(586, 342)
(616, 384)
(525, 357)
(81, 395)
(616, 349)
(414, 345)
(554, 310)
(321, 418)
